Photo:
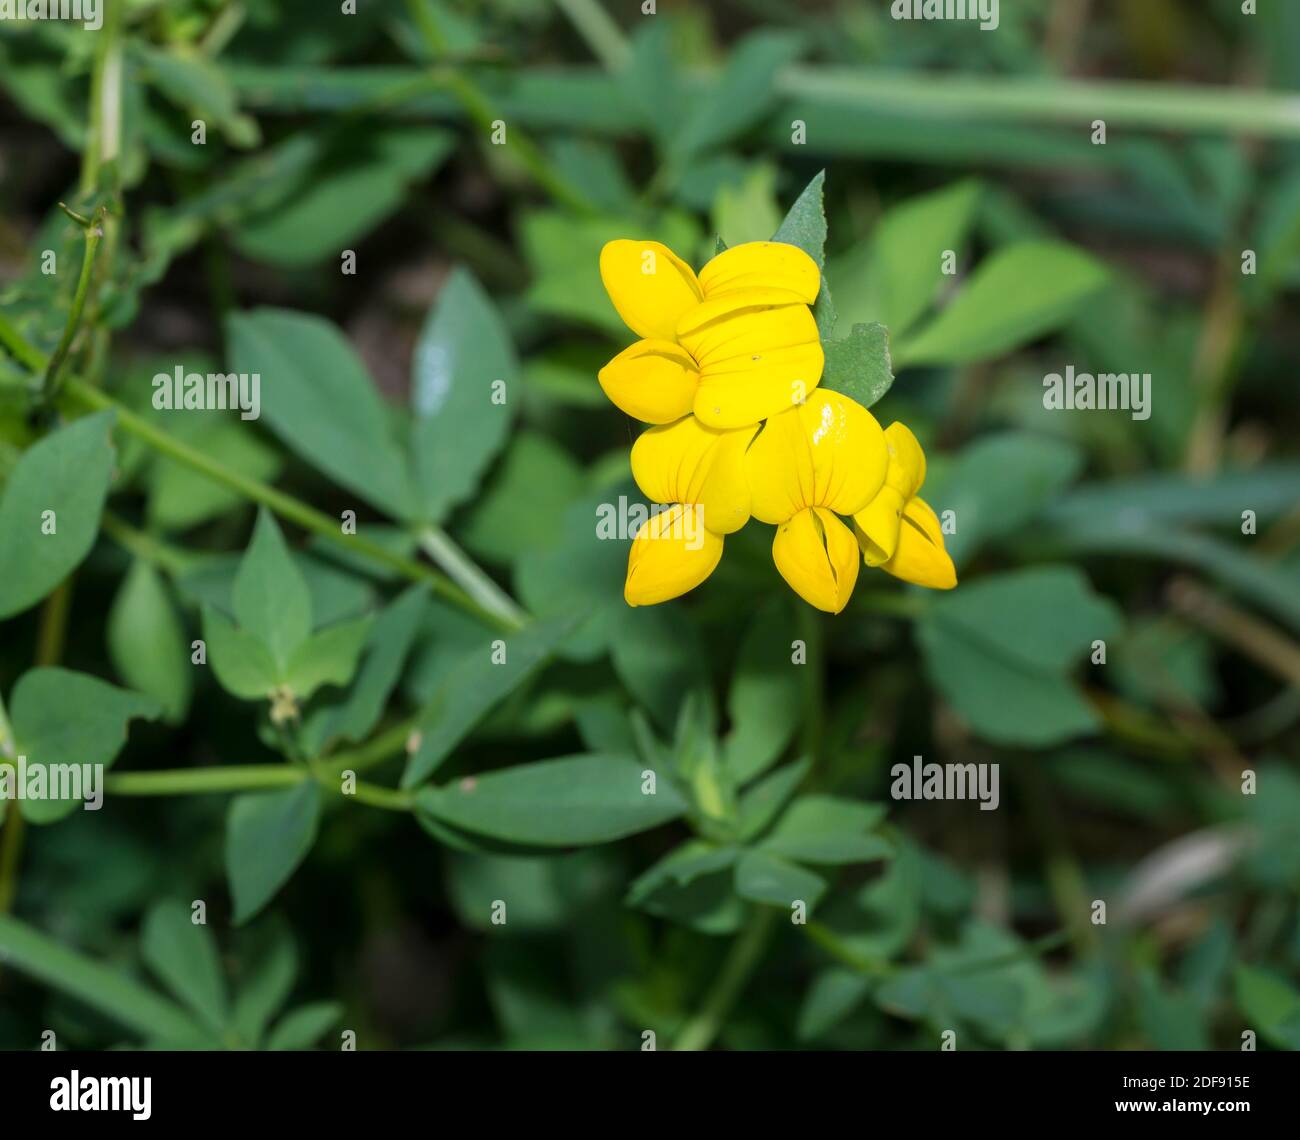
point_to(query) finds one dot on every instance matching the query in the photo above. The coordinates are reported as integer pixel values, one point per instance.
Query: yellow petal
(921, 557)
(818, 556)
(756, 358)
(877, 525)
(672, 553)
(766, 265)
(827, 452)
(686, 462)
(651, 286)
(653, 380)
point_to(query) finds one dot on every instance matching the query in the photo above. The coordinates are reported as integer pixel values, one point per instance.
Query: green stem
(200, 781)
(245, 778)
(147, 547)
(838, 949)
(104, 135)
(480, 110)
(379, 748)
(286, 506)
(598, 29)
(18, 347)
(94, 235)
(742, 959)
(470, 577)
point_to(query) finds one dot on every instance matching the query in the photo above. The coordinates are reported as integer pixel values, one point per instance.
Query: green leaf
(362, 180)
(1170, 1018)
(64, 718)
(199, 87)
(1019, 293)
(319, 399)
(564, 255)
(858, 366)
(304, 1026)
(573, 576)
(570, 801)
(183, 955)
(147, 643)
(388, 644)
(834, 994)
(268, 969)
(66, 473)
(1019, 633)
(909, 243)
(542, 893)
(998, 485)
(463, 394)
(180, 497)
(681, 867)
(328, 657)
(484, 678)
(268, 834)
(747, 211)
(270, 596)
(115, 995)
(524, 501)
(740, 98)
(1270, 1005)
(766, 695)
(766, 878)
(828, 829)
(241, 661)
(658, 655)
(761, 803)
(805, 222)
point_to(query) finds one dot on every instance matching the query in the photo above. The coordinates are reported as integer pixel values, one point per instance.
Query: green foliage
(444, 748)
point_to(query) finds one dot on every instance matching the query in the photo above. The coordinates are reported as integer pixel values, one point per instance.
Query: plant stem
(742, 959)
(245, 778)
(147, 547)
(469, 576)
(286, 506)
(94, 235)
(104, 134)
(598, 30)
(376, 750)
(198, 781)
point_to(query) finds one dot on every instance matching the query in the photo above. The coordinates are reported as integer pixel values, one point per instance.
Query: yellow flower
(735, 344)
(897, 530)
(701, 472)
(823, 458)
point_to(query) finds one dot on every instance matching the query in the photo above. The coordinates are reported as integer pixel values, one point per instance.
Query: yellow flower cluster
(727, 370)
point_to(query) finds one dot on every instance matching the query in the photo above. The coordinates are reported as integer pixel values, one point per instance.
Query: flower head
(728, 372)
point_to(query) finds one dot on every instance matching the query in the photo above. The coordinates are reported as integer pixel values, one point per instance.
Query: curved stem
(742, 959)
(94, 235)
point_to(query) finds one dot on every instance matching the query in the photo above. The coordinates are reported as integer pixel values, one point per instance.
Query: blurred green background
(1162, 781)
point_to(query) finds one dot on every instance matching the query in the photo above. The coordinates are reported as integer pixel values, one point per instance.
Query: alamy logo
(23, 781)
(920, 781)
(625, 519)
(1105, 392)
(985, 11)
(195, 392)
(75, 1093)
(89, 12)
